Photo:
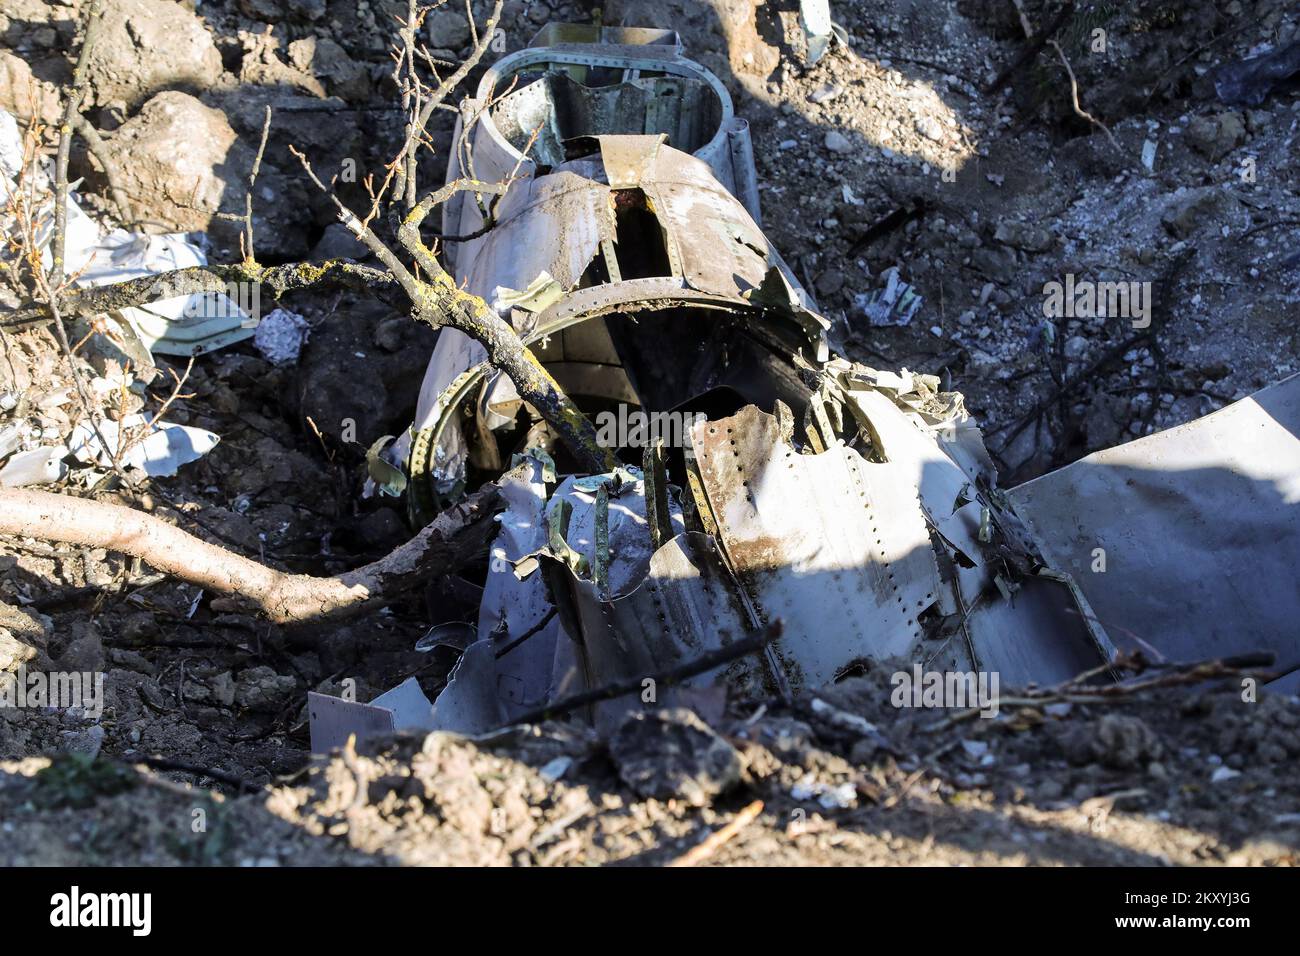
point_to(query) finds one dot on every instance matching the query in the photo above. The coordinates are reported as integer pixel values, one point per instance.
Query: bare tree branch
(457, 536)
(250, 255)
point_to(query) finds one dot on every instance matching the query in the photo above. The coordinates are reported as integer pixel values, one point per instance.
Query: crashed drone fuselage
(854, 506)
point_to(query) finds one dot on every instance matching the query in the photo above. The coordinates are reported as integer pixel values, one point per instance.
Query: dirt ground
(887, 154)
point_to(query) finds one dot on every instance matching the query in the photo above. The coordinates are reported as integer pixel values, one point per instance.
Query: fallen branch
(1032, 50)
(666, 678)
(457, 536)
(1074, 691)
(333, 273)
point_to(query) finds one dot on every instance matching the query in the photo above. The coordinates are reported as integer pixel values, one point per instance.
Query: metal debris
(1249, 82)
(819, 516)
(1187, 540)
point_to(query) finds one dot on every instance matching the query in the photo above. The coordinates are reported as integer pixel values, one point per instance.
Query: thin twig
(665, 678)
(250, 256)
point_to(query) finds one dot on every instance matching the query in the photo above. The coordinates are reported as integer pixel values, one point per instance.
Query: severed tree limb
(1033, 49)
(457, 535)
(292, 277)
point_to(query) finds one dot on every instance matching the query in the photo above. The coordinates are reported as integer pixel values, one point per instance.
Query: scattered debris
(1249, 82)
(156, 448)
(281, 335)
(896, 304)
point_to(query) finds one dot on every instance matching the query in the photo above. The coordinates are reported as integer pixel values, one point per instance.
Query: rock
(826, 92)
(837, 142)
(181, 163)
(84, 653)
(276, 10)
(324, 58)
(996, 263)
(1190, 209)
(13, 652)
(929, 127)
(337, 242)
(672, 754)
(263, 66)
(140, 628)
(23, 95)
(146, 46)
(1116, 740)
(448, 29)
(88, 741)
(169, 155)
(1216, 136)
(830, 282)
(261, 688)
(1103, 425)
(1024, 236)
(22, 636)
(223, 688)
(390, 335)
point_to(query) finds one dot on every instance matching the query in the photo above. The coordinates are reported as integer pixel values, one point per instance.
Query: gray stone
(1190, 209)
(1022, 235)
(146, 46)
(337, 242)
(1216, 136)
(261, 688)
(672, 754)
(88, 741)
(13, 652)
(448, 29)
(837, 142)
(182, 164)
(1116, 740)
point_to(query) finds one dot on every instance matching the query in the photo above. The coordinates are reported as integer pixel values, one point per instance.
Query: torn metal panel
(630, 543)
(940, 482)
(515, 603)
(713, 242)
(1198, 528)
(469, 704)
(1040, 635)
(333, 720)
(553, 224)
(629, 160)
(686, 605)
(833, 545)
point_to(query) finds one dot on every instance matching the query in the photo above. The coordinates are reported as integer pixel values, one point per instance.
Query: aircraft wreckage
(855, 506)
